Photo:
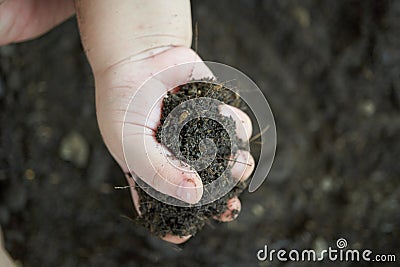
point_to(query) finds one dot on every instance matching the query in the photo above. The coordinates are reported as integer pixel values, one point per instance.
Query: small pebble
(326, 184)
(75, 149)
(29, 174)
(257, 210)
(302, 16)
(368, 107)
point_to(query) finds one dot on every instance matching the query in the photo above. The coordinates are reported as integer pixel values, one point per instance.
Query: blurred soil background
(331, 73)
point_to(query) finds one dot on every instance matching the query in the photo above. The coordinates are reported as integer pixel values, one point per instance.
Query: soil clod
(161, 218)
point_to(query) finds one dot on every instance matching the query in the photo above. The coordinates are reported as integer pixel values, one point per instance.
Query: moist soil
(162, 218)
(330, 71)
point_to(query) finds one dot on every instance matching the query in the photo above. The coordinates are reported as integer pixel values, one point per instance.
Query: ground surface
(330, 70)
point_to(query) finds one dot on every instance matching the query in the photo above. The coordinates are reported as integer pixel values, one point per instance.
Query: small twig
(255, 137)
(228, 159)
(128, 218)
(124, 187)
(196, 37)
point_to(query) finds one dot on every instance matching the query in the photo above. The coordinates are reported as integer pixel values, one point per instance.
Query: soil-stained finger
(243, 165)
(175, 239)
(233, 208)
(244, 127)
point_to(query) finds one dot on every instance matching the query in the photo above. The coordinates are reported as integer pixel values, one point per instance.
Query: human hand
(114, 90)
(127, 43)
(124, 50)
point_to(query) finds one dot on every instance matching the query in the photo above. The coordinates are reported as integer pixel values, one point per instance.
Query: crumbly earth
(162, 218)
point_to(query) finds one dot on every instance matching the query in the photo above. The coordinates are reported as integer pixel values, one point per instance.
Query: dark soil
(330, 71)
(162, 218)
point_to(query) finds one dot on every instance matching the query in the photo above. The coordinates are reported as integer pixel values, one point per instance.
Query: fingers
(135, 198)
(21, 20)
(243, 165)
(242, 121)
(243, 162)
(176, 239)
(241, 170)
(232, 211)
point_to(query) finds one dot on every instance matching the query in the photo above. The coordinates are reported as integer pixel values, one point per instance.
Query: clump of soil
(161, 218)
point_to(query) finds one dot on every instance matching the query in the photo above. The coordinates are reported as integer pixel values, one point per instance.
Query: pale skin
(126, 42)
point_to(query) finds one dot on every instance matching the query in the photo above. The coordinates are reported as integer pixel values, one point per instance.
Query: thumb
(146, 157)
(132, 111)
(157, 167)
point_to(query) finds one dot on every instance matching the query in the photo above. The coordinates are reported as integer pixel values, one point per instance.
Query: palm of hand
(114, 90)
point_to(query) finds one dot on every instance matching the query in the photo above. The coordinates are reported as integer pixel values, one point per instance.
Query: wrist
(114, 31)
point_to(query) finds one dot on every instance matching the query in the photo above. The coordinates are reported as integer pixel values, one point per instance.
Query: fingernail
(176, 239)
(232, 212)
(234, 204)
(186, 191)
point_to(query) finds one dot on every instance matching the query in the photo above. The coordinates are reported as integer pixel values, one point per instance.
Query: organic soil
(162, 218)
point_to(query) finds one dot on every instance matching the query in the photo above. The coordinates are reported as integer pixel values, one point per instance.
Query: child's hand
(114, 89)
(128, 41)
